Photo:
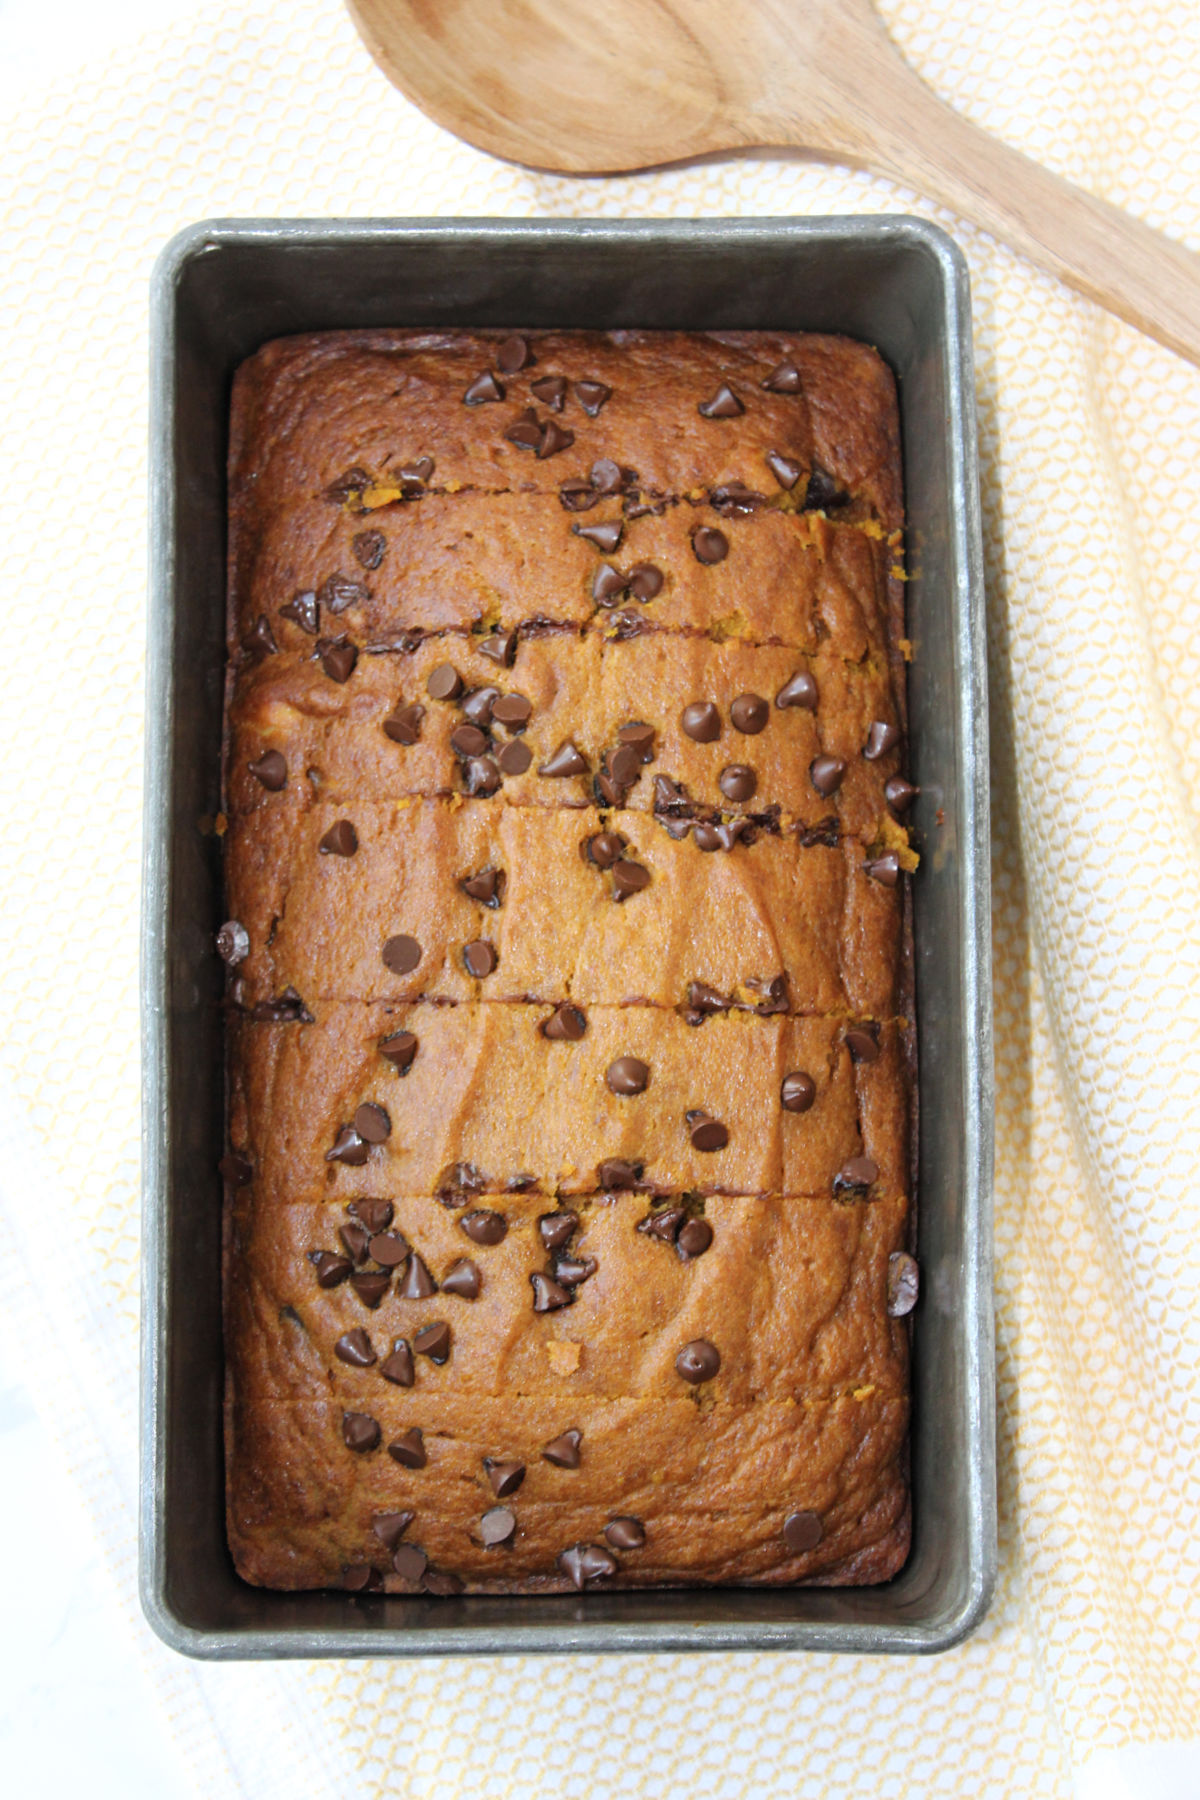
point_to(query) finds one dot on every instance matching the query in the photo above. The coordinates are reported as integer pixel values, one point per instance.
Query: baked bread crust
(554, 853)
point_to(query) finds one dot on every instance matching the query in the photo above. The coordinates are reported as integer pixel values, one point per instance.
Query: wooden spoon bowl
(581, 89)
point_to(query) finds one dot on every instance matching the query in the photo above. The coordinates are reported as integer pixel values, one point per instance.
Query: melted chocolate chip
(500, 647)
(483, 1227)
(556, 1229)
(604, 848)
(340, 593)
(786, 472)
(514, 353)
(484, 387)
(723, 405)
(270, 770)
(360, 1431)
(798, 690)
(233, 943)
(797, 1092)
(409, 1449)
(340, 840)
(734, 500)
(369, 547)
(884, 869)
(338, 657)
(371, 1285)
(856, 1176)
(694, 1239)
(433, 1341)
(398, 1367)
(625, 1533)
(504, 1478)
(721, 836)
(709, 545)
(444, 683)
(352, 482)
(400, 1050)
(459, 1183)
(591, 395)
(606, 537)
(825, 832)
(497, 1528)
(701, 721)
(354, 1347)
(738, 782)
(608, 584)
(404, 725)
(389, 1249)
(577, 495)
(419, 469)
(331, 1269)
(401, 954)
(663, 1224)
(706, 1133)
(803, 1531)
(881, 738)
(827, 774)
(823, 491)
(628, 1075)
(903, 1284)
(565, 761)
(304, 611)
(899, 795)
(566, 1024)
(698, 1361)
(418, 1283)
(750, 714)
(629, 878)
(390, 1527)
(862, 1041)
(616, 1174)
(348, 1148)
(548, 1296)
(480, 958)
(645, 581)
(463, 1279)
(785, 379)
(563, 1451)
(286, 1009)
(587, 1562)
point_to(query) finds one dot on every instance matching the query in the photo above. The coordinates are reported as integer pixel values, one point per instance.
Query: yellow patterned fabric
(1090, 439)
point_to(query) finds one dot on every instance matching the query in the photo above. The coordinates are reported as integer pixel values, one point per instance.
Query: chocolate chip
(566, 1024)
(352, 482)
(419, 469)
(259, 641)
(442, 1583)
(701, 721)
(348, 1148)
(798, 1091)
(737, 782)
(827, 774)
(338, 657)
(400, 1050)
(360, 1431)
(798, 690)
(825, 832)
(604, 849)
(398, 1367)
(369, 547)
(750, 713)
(389, 1248)
(645, 581)
(372, 1123)
(233, 943)
(418, 1283)
(340, 840)
(803, 1531)
(606, 476)
(591, 395)
(463, 1279)
(625, 1533)
(856, 1176)
(504, 1477)
(270, 770)
(605, 537)
(479, 703)
(629, 878)
(512, 711)
(357, 1240)
(663, 1224)
(709, 544)
(554, 439)
(639, 738)
(734, 500)
(358, 1577)
(480, 958)
(823, 491)
(899, 794)
(409, 1562)
(433, 1341)
(785, 379)
(587, 1562)
(484, 1227)
(577, 495)
(390, 1527)
(497, 1528)
(500, 647)
(565, 761)
(371, 1285)
(903, 1284)
(286, 1009)
(331, 1269)
(487, 886)
(786, 472)
(884, 869)
(401, 954)
(339, 593)
(698, 1361)
(862, 1041)
(628, 1075)
(551, 390)
(563, 1451)
(409, 1449)
(514, 353)
(354, 1347)
(615, 1174)
(468, 740)
(608, 584)
(484, 387)
(548, 1296)
(515, 758)
(572, 1271)
(460, 1182)
(304, 611)
(555, 1229)
(404, 725)
(723, 405)
(706, 1133)
(881, 738)
(375, 1215)
(625, 765)
(444, 683)
(481, 775)
(694, 1239)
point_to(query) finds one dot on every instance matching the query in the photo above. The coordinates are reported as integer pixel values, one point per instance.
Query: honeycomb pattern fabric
(1090, 437)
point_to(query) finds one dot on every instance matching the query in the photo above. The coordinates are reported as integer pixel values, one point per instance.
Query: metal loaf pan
(221, 289)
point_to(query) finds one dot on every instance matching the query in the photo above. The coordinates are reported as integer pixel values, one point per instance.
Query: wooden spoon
(587, 88)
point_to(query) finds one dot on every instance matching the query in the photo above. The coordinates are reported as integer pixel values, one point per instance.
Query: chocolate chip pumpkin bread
(570, 1045)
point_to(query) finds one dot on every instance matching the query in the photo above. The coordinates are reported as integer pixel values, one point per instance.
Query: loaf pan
(219, 290)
